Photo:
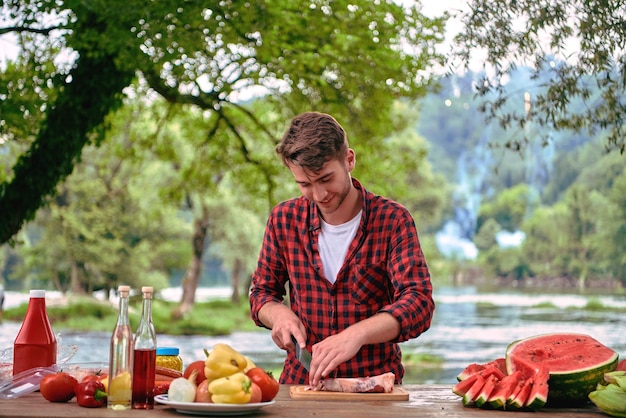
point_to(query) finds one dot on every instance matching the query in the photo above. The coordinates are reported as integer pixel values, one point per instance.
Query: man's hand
(330, 353)
(283, 323)
(339, 348)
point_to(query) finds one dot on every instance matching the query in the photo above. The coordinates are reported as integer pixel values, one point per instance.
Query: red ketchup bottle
(35, 344)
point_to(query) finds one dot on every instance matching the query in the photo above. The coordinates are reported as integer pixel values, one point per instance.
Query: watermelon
(484, 394)
(472, 393)
(575, 362)
(499, 364)
(464, 385)
(506, 386)
(538, 396)
(518, 400)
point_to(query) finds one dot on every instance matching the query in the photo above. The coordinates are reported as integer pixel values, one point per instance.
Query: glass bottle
(120, 357)
(144, 360)
(35, 344)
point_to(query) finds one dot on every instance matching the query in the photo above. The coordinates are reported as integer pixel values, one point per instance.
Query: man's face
(327, 188)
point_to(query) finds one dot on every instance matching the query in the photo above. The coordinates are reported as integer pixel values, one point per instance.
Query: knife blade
(303, 355)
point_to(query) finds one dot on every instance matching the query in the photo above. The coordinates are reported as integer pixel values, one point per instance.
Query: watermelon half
(575, 362)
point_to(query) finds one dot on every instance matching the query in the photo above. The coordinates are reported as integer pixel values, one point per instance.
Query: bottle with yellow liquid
(120, 360)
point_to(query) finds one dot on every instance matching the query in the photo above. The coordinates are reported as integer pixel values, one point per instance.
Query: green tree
(108, 223)
(509, 208)
(580, 44)
(352, 59)
(613, 222)
(581, 236)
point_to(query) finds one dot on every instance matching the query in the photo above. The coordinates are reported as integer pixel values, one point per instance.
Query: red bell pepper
(91, 394)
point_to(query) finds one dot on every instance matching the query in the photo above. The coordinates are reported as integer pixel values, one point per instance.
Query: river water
(468, 327)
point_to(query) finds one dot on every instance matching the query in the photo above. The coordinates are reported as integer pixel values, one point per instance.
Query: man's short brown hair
(312, 140)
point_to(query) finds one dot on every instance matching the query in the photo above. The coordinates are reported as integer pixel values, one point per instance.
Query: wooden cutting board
(300, 392)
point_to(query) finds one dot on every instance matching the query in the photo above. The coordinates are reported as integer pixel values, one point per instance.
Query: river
(468, 327)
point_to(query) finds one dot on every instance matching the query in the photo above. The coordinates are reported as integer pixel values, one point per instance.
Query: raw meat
(382, 383)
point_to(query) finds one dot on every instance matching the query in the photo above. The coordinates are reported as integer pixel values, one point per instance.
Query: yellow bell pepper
(223, 361)
(233, 389)
(249, 364)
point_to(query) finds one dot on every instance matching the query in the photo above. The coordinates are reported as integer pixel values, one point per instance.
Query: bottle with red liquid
(144, 360)
(35, 344)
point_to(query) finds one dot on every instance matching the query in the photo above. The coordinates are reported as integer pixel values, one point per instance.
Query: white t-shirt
(334, 241)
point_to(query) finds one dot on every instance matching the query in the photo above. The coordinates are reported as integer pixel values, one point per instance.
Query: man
(357, 279)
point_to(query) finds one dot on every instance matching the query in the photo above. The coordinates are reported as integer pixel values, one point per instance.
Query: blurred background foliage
(170, 180)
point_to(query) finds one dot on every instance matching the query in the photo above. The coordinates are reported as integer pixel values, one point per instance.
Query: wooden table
(424, 401)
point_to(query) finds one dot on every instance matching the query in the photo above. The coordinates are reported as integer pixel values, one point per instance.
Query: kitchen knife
(303, 355)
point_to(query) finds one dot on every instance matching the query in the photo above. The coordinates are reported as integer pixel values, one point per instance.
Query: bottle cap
(167, 351)
(147, 289)
(37, 293)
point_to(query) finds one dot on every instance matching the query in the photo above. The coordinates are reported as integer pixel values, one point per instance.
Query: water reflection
(468, 327)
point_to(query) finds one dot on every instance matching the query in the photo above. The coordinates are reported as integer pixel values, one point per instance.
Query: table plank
(424, 401)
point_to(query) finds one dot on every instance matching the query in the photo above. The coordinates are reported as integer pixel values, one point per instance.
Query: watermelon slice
(472, 393)
(514, 401)
(474, 368)
(539, 393)
(505, 387)
(464, 385)
(484, 394)
(575, 362)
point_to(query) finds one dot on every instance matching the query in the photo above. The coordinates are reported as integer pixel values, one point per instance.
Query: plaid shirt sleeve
(384, 271)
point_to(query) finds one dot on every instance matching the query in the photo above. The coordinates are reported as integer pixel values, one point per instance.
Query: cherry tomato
(269, 386)
(58, 387)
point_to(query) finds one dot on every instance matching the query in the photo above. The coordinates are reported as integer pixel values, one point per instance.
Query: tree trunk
(237, 266)
(75, 279)
(192, 276)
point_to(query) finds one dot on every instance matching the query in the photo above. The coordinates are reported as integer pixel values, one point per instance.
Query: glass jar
(169, 357)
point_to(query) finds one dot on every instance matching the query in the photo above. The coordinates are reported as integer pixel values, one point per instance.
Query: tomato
(269, 386)
(257, 394)
(196, 365)
(58, 387)
(91, 377)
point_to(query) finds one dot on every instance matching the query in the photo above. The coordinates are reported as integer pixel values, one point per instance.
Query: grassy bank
(218, 317)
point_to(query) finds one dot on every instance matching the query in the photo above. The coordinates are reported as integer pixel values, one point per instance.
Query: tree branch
(19, 29)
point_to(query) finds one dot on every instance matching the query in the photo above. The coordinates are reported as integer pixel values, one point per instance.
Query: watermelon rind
(576, 363)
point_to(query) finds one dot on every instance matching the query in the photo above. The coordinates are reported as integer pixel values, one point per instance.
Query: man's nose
(319, 192)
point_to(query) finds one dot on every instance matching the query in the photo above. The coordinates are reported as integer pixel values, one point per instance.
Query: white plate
(199, 408)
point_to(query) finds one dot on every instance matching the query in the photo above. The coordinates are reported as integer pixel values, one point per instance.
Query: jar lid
(167, 351)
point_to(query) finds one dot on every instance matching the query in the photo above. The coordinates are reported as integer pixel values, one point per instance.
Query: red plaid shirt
(384, 271)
